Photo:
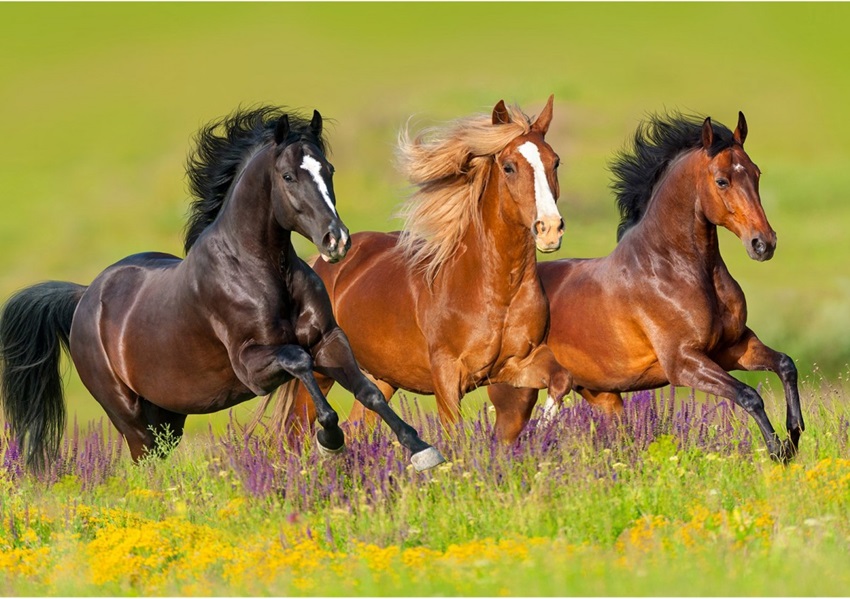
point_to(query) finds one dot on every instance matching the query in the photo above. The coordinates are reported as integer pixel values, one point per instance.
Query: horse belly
(594, 334)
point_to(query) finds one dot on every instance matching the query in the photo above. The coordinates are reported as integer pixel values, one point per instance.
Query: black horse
(155, 338)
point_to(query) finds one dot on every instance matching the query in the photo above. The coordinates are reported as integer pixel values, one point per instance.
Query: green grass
(580, 516)
(98, 103)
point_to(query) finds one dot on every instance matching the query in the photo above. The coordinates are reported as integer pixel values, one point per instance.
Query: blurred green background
(98, 104)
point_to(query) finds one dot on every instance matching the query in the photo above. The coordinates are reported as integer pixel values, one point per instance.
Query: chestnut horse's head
(730, 192)
(302, 189)
(528, 171)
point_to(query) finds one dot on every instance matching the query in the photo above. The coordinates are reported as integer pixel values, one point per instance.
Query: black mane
(221, 148)
(657, 141)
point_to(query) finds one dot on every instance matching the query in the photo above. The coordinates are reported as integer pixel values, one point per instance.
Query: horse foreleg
(360, 418)
(697, 370)
(751, 354)
(539, 370)
(513, 410)
(263, 368)
(610, 403)
(334, 358)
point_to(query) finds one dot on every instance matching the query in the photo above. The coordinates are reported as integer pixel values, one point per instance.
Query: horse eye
(722, 183)
(288, 178)
(557, 163)
(509, 169)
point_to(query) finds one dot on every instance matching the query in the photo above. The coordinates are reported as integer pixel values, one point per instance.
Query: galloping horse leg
(362, 419)
(447, 390)
(513, 410)
(610, 403)
(540, 370)
(691, 369)
(335, 359)
(266, 367)
(751, 354)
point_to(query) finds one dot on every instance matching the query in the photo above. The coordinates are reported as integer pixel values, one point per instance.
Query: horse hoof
(426, 459)
(328, 451)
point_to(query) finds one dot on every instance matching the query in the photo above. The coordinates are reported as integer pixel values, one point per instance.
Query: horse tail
(285, 395)
(283, 408)
(35, 324)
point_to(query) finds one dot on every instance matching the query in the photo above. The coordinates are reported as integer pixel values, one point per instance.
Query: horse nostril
(759, 246)
(329, 241)
(540, 227)
(561, 226)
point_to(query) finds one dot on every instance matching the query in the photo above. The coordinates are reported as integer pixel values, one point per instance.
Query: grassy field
(679, 498)
(98, 104)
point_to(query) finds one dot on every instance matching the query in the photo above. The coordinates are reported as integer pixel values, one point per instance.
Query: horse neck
(674, 223)
(500, 251)
(246, 225)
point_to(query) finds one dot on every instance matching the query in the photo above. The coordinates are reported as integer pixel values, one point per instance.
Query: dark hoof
(794, 435)
(787, 452)
(330, 444)
(426, 459)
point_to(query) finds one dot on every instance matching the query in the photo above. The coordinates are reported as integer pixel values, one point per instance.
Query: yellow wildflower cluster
(120, 551)
(744, 524)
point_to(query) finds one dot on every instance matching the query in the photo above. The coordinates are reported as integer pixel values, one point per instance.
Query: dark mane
(657, 141)
(221, 148)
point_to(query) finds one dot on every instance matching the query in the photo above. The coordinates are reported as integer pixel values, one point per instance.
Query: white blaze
(312, 166)
(542, 192)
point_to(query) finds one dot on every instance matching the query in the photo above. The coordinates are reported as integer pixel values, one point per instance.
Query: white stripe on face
(542, 192)
(314, 167)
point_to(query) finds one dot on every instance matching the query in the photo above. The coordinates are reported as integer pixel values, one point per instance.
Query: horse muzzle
(548, 232)
(761, 247)
(335, 244)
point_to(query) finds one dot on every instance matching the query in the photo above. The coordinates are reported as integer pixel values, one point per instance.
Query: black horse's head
(302, 189)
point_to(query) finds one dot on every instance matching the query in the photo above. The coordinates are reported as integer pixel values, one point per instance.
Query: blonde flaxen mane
(449, 166)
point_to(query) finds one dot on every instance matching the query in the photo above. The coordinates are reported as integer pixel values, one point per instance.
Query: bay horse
(155, 338)
(454, 301)
(663, 308)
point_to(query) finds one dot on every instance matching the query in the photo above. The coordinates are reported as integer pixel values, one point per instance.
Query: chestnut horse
(454, 300)
(155, 338)
(662, 307)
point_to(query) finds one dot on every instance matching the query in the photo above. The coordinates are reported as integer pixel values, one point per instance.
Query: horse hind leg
(165, 426)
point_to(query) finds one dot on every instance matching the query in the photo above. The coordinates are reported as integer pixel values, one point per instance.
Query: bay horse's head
(528, 170)
(730, 192)
(303, 197)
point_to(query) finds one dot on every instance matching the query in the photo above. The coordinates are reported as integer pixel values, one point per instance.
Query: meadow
(678, 498)
(98, 104)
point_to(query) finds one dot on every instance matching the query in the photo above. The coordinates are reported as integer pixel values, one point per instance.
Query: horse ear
(316, 123)
(500, 114)
(741, 130)
(281, 132)
(541, 125)
(707, 134)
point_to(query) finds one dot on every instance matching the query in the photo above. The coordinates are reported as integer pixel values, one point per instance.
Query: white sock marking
(550, 408)
(542, 192)
(312, 166)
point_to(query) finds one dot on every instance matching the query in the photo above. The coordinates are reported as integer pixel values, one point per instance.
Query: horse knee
(787, 368)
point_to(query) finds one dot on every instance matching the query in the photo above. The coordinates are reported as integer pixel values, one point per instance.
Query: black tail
(34, 326)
